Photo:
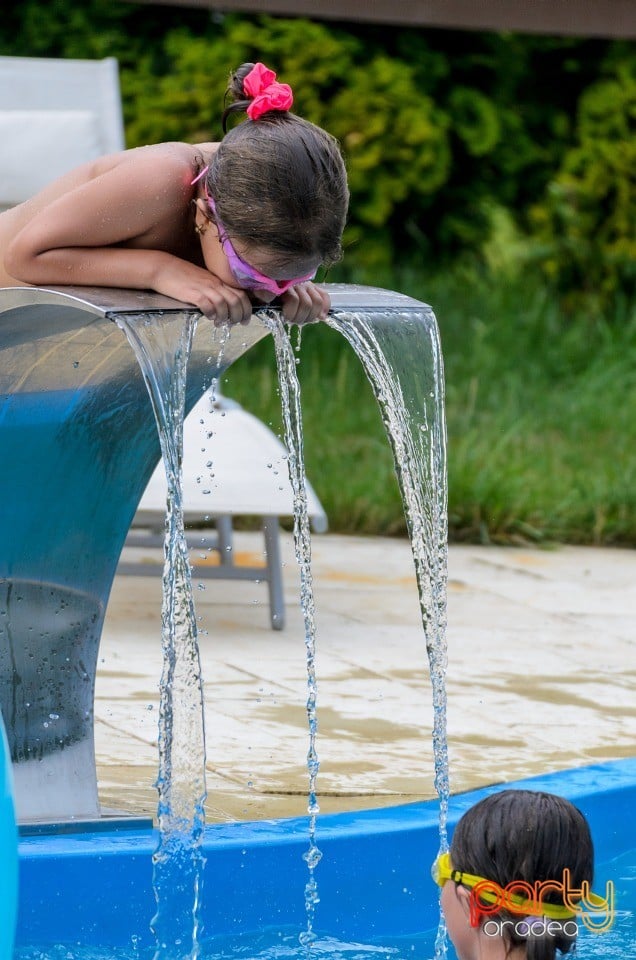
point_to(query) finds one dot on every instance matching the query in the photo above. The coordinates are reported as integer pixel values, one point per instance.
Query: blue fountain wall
(374, 878)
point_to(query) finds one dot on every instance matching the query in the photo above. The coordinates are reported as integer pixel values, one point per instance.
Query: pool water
(283, 945)
(620, 939)
(277, 943)
(271, 944)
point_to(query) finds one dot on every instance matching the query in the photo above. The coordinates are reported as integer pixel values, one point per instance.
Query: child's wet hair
(279, 182)
(531, 836)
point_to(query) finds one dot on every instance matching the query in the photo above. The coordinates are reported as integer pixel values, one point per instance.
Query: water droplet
(312, 857)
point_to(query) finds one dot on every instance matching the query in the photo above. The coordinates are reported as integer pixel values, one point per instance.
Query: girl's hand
(216, 300)
(305, 303)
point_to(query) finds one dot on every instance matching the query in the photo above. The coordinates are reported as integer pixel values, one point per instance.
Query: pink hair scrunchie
(267, 93)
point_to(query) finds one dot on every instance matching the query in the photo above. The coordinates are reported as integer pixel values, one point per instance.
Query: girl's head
(523, 837)
(279, 184)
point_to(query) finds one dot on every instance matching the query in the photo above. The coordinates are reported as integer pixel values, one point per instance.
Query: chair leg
(224, 540)
(274, 573)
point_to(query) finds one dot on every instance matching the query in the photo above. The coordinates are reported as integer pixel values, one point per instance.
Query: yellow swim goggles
(441, 871)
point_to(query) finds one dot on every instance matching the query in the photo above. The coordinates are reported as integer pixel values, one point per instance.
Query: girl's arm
(77, 238)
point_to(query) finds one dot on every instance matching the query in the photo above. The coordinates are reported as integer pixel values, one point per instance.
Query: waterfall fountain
(78, 446)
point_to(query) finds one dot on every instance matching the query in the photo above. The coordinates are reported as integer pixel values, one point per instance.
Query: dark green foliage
(586, 223)
(90, 29)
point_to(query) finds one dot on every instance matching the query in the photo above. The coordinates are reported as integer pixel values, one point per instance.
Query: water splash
(292, 422)
(163, 350)
(402, 358)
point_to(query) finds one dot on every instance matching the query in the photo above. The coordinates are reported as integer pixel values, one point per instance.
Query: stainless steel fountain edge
(110, 302)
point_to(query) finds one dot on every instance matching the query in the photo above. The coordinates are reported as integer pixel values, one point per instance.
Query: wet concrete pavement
(541, 676)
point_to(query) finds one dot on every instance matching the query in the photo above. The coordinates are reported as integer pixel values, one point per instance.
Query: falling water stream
(402, 359)
(292, 423)
(163, 351)
(401, 355)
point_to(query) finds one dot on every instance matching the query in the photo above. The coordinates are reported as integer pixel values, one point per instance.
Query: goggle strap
(553, 911)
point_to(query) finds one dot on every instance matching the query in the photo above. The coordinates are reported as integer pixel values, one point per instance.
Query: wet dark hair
(279, 182)
(530, 836)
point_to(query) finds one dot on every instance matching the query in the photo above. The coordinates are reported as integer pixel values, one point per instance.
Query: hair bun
(235, 92)
(255, 89)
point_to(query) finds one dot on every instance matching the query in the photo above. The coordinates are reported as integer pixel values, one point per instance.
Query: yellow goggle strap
(442, 871)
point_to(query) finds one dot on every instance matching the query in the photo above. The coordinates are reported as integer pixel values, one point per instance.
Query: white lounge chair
(239, 470)
(54, 115)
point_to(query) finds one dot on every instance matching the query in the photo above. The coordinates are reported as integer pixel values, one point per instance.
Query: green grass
(541, 414)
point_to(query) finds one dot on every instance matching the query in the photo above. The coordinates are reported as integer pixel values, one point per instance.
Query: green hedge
(586, 223)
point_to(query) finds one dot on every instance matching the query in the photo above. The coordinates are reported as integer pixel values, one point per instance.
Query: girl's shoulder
(167, 163)
(170, 154)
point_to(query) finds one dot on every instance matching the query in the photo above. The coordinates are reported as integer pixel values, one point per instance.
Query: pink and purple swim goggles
(247, 276)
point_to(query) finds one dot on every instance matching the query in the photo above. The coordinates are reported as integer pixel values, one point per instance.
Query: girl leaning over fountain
(219, 225)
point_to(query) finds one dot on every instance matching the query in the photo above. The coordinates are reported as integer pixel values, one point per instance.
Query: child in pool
(521, 837)
(217, 225)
